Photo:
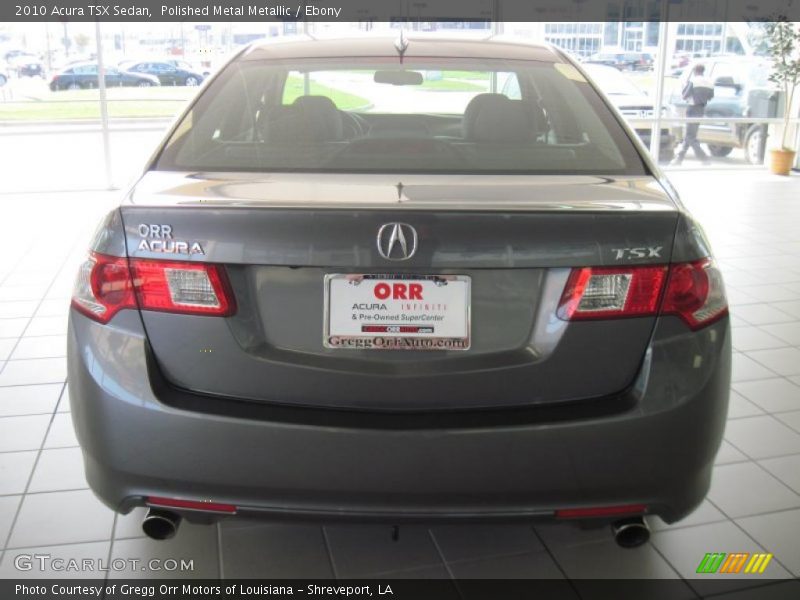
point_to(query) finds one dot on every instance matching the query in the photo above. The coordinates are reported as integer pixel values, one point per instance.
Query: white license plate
(397, 312)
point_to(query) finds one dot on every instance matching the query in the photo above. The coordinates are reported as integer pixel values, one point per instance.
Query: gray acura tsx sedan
(356, 281)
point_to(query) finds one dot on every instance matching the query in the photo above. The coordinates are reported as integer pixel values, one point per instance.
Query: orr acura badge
(158, 238)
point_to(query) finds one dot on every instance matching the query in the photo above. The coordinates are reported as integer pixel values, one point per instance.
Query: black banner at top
(399, 10)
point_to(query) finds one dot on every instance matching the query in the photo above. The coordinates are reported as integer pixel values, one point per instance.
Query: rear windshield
(612, 81)
(422, 116)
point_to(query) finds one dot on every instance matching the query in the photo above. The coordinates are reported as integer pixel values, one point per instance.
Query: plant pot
(781, 161)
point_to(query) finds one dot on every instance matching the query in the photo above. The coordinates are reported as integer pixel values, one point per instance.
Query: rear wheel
(74, 86)
(145, 84)
(191, 81)
(719, 150)
(753, 145)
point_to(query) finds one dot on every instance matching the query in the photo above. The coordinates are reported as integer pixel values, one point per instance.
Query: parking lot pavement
(753, 505)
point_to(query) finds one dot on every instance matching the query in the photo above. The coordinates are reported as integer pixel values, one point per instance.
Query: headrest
(495, 118)
(307, 119)
(324, 119)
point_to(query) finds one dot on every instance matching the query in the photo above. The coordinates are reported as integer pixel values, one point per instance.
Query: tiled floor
(753, 505)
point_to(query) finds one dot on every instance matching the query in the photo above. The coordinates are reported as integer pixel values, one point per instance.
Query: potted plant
(783, 40)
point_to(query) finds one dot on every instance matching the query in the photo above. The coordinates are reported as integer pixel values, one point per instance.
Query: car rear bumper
(655, 445)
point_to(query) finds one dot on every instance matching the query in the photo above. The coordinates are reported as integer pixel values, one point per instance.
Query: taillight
(692, 291)
(189, 288)
(103, 287)
(108, 284)
(603, 293)
(695, 292)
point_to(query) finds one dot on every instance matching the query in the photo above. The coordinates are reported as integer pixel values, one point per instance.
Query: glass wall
(50, 110)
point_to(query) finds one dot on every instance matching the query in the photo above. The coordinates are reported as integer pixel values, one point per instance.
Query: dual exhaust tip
(161, 524)
(630, 533)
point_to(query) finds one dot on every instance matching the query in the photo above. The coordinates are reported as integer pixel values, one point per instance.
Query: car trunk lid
(514, 239)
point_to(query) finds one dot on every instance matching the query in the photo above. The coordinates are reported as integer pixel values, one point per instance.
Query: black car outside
(167, 73)
(30, 69)
(85, 76)
(204, 69)
(25, 64)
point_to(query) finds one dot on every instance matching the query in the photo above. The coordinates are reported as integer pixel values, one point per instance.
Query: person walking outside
(697, 92)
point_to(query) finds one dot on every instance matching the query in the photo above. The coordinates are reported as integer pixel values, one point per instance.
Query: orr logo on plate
(397, 312)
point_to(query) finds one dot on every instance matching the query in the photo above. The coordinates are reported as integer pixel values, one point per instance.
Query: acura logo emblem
(397, 241)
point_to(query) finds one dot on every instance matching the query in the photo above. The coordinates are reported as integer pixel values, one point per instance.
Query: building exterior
(585, 39)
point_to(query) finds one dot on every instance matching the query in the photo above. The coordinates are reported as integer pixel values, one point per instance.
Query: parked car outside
(392, 301)
(204, 70)
(624, 61)
(636, 106)
(125, 64)
(3, 75)
(33, 68)
(85, 76)
(680, 60)
(741, 90)
(167, 73)
(27, 65)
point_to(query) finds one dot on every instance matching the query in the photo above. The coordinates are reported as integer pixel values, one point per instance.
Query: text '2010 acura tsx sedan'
(358, 282)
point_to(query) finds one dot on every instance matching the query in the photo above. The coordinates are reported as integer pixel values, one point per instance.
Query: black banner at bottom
(404, 589)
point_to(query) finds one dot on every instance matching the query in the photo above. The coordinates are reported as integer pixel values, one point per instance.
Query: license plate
(397, 312)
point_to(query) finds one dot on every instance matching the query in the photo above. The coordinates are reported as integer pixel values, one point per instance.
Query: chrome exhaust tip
(630, 533)
(160, 524)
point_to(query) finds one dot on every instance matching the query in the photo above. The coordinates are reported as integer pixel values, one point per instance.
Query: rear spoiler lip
(388, 191)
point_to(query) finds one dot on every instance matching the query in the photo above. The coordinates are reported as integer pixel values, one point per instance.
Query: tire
(719, 151)
(3, 80)
(73, 86)
(144, 84)
(752, 145)
(191, 82)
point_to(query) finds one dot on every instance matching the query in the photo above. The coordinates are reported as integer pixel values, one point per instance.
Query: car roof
(498, 47)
